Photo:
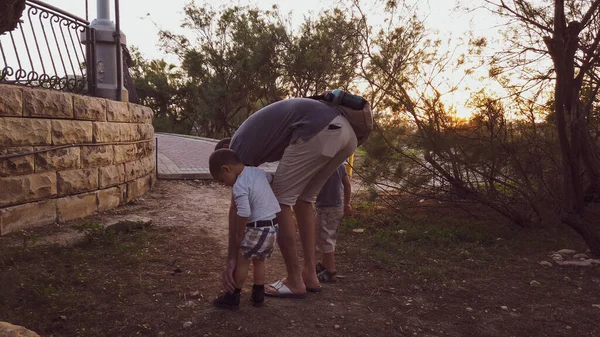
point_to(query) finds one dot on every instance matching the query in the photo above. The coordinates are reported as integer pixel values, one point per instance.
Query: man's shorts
(307, 164)
(258, 243)
(328, 223)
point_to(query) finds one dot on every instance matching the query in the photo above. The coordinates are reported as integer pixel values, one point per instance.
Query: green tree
(232, 66)
(324, 55)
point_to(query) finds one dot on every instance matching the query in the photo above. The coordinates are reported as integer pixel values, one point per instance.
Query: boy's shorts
(258, 243)
(328, 223)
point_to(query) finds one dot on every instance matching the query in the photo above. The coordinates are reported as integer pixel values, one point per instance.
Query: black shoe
(258, 295)
(319, 267)
(227, 300)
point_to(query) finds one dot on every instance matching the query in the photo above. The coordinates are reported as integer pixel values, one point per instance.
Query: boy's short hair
(219, 158)
(223, 144)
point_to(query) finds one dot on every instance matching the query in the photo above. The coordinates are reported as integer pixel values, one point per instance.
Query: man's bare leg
(306, 226)
(287, 244)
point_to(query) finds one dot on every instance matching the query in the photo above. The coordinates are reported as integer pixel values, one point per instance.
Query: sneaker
(258, 296)
(227, 300)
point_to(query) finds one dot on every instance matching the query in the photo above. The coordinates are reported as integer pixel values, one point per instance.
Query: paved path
(186, 157)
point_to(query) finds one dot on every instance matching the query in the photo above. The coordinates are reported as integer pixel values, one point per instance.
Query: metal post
(108, 53)
(119, 54)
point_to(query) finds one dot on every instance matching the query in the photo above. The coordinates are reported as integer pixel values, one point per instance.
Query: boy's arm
(347, 194)
(237, 225)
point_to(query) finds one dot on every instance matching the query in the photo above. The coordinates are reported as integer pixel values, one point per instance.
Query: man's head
(225, 166)
(223, 144)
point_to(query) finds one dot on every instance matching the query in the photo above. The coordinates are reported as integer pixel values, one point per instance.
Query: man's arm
(347, 195)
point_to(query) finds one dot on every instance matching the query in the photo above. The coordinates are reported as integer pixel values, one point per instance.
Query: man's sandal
(280, 290)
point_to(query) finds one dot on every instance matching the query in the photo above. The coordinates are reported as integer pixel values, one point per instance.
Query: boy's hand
(228, 279)
(348, 209)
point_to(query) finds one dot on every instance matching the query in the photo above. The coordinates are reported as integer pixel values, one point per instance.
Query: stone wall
(65, 156)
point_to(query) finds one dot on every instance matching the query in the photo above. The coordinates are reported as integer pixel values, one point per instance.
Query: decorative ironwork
(46, 50)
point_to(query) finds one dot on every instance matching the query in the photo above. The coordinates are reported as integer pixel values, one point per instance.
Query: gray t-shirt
(264, 136)
(331, 193)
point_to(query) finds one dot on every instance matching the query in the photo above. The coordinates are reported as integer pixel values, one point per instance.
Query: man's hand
(348, 209)
(228, 279)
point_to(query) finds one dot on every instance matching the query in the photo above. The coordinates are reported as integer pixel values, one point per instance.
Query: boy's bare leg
(306, 226)
(259, 271)
(329, 261)
(241, 271)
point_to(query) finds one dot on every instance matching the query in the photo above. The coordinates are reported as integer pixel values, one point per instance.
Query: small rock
(584, 263)
(580, 256)
(567, 278)
(162, 333)
(534, 283)
(187, 325)
(566, 252)
(401, 231)
(194, 295)
(546, 263)
(597, 306)
(130, 223)
(469, 309)
(331, 304)
(569, 327)
(358, 230)
(63, 317)
(504, 307)
(336, 326)
(557, 257)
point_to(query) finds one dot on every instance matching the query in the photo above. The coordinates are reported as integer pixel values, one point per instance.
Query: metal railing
(46, 50)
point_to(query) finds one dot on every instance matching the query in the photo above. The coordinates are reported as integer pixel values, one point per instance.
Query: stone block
(25, 132)
(111, 175)
(148, 164)
(138, 187)
(129, 132)
(117, 111)
(144, 149)
(97, 156)
(29, 215)
(145, 131)
(32, 187)
(76, 206)
(17, 165)
(55, 160)
(109, 198)
(133, 170)
(71, 132)
(125, 153)
(11, 100)
(89, 108)
(47, 103)
(106, 132)
(77, 181)
(140, 113)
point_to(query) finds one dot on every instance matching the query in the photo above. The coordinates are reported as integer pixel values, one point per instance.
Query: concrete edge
(212, 140)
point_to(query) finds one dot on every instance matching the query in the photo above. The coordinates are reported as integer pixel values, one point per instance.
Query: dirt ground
(398, 279)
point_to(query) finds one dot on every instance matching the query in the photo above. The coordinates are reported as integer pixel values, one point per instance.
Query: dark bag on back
(355, 109)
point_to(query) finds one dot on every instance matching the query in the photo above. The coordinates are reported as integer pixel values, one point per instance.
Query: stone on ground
(129, 223)
(10, 330)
